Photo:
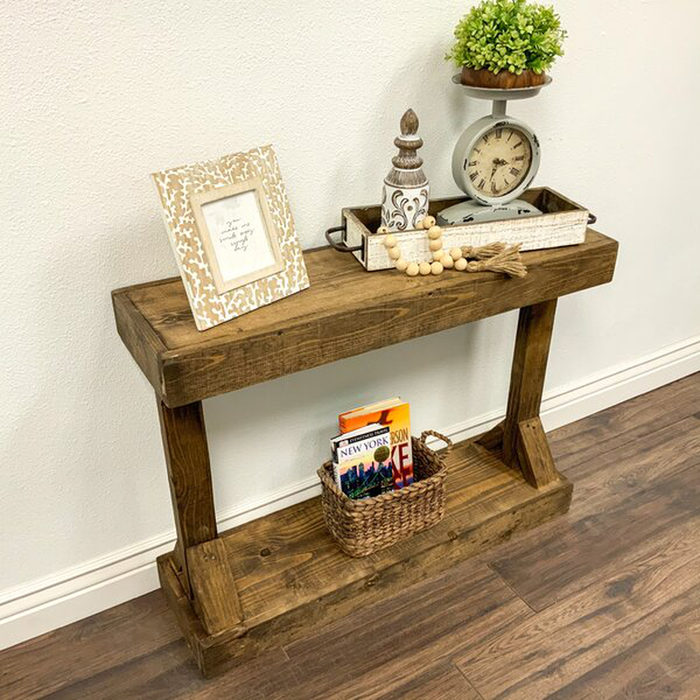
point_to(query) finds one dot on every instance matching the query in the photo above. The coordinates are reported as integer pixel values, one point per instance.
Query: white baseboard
(57, 600)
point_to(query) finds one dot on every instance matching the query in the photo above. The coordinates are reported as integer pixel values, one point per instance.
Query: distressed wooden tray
(563, 223)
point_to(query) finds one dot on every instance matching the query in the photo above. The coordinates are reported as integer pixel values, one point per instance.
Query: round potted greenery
(507, 44)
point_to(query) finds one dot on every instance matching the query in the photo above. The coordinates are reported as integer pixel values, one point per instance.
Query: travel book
(395, 414)
(361, 461)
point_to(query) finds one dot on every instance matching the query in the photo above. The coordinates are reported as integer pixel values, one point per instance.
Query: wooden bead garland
(495, 257)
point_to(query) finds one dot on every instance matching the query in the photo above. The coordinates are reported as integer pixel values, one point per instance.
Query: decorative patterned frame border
(177, 186)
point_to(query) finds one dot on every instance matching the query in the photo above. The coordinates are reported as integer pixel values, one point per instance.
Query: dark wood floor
(602, 603)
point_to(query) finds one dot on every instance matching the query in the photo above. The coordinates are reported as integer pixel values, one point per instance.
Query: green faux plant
(511, 35)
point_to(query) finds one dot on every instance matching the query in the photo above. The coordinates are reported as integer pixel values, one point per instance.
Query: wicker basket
(361, 527)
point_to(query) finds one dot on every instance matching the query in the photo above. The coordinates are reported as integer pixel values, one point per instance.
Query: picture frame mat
(215, 194)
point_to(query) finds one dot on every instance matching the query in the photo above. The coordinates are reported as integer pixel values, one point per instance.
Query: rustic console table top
(337, 317)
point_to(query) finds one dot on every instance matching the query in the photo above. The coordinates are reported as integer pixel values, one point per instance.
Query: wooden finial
(409, 123)
(407, 158)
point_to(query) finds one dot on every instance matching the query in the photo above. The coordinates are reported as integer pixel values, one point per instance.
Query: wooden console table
(272, 580)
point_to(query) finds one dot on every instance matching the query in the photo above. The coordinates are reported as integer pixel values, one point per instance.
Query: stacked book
(372, 454)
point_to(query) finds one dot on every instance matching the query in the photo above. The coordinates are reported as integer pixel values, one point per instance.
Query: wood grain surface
(602, 603)
(233, 602)
(335, 318)
(534, 454)
(214, 592)
(291, 577)
(189, 477)
(532, 341)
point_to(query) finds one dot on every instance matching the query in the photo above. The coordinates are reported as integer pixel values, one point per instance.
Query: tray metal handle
(592, 218)
(339, 245)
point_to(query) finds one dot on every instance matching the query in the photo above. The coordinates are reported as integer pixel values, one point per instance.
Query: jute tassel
(495, 257)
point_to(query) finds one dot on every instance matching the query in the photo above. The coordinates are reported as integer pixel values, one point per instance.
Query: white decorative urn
(406, 191)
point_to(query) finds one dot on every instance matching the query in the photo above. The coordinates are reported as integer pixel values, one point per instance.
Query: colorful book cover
(395, 414)
(361, 462)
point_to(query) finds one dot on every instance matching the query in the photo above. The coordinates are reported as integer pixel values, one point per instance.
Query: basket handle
(439, 436)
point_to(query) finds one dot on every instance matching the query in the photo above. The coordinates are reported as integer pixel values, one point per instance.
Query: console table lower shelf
(290, 577)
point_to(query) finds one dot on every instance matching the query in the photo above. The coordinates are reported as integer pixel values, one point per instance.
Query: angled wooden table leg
(204, 575)
(524, 441)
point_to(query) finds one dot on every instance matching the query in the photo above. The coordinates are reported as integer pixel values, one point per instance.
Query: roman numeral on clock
(499, 133)
(482, 184)
(473, 176)
(519, 158)
(514, 172)
(517, 145)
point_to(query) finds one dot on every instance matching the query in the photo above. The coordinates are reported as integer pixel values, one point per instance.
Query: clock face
(499, 161)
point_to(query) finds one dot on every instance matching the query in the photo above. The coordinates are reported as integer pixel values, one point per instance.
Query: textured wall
(95, 96)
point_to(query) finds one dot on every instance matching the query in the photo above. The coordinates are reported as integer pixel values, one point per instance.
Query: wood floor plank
(166, 671)
(688, 625)
(662, 666)
(392, 641)
(553, 648)
(577, 443)
(65, 656)
(638, 494)
(568, 556)
(169, 672)
(637, 462)
(440, 681)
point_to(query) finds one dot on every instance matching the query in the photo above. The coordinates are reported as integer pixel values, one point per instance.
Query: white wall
(95, 96)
